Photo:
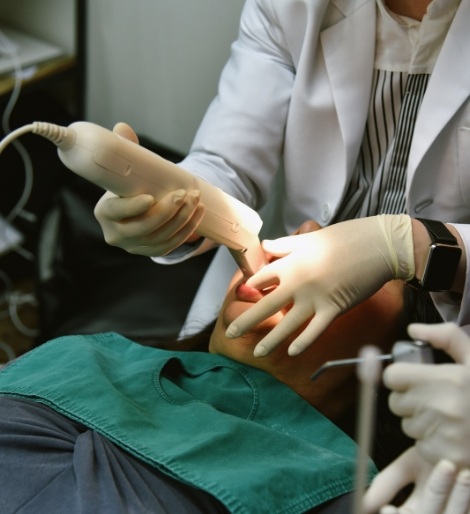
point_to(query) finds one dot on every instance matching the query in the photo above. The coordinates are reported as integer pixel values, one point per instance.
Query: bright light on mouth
(245, 293)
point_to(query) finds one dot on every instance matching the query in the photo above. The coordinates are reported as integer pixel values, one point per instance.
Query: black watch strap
(438, 232)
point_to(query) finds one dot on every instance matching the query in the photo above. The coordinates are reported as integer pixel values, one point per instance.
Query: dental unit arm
(127, 169)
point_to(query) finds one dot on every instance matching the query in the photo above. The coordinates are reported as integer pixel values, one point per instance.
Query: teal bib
(229, 429)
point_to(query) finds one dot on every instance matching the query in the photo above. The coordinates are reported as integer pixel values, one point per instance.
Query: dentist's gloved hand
(140, 225)
(434, 399)
(438, 490)
(325, 273)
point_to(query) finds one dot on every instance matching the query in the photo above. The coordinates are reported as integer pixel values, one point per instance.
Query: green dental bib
(229, 429)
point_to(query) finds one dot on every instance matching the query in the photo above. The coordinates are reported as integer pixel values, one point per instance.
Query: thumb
(126, 131)
(285, 245)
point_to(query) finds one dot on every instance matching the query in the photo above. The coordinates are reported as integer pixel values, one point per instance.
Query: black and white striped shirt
(406, 51)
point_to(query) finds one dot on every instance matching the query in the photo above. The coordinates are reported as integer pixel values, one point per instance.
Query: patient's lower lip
(248, 294)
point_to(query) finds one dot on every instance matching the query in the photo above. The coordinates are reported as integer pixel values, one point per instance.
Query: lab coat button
(325, 212)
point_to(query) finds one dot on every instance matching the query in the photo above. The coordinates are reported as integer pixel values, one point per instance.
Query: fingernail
(232, 332)
(260, 351)
(178, 196)
(195, 196)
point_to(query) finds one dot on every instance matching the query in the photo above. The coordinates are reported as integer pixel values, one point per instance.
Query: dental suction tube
(127, 169)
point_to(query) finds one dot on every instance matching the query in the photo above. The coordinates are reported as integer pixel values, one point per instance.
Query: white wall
(155, 63)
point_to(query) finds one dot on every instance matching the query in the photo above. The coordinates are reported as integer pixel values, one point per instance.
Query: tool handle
(127, 169)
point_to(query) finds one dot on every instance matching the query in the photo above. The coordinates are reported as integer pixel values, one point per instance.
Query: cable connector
(60, 136)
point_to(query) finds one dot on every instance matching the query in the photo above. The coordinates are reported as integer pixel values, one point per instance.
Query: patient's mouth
(248, 294)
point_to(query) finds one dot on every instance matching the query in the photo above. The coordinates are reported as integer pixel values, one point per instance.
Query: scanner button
(235, 227)
(112, 162)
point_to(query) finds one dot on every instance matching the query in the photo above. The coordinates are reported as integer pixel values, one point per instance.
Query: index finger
(400, 376)
(258, 312)
(444, 336)
(116, 208)
(285, 328)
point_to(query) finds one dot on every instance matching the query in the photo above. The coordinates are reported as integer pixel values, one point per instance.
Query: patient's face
(374, 322)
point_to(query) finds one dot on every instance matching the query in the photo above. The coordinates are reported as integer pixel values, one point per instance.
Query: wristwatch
(442, 259)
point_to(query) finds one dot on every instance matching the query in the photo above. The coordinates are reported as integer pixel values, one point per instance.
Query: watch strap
(438, 232)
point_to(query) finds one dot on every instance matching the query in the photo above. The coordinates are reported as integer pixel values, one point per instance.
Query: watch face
(441, 267)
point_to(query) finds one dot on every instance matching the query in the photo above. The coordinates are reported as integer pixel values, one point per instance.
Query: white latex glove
(434, 399)
(143, 226)
(325, 273)
(438, 490)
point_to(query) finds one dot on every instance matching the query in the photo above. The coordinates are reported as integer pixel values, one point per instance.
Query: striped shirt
(406, 51)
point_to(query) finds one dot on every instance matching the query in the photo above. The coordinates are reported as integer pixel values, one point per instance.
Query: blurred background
(154, 65)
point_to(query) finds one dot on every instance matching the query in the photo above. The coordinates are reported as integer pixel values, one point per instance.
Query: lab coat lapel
(448, 88)
(349, 49)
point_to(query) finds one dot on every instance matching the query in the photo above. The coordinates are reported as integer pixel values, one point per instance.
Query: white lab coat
(296, 92)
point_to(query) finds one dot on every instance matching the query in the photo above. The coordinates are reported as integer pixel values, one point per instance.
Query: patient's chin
(241, 347)
(233, 310)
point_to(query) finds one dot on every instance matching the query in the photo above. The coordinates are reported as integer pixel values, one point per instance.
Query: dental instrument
(418, 352)
(127, 169)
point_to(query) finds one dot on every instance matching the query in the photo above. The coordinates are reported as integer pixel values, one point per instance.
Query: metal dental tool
(418, 352)
(369, 373)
